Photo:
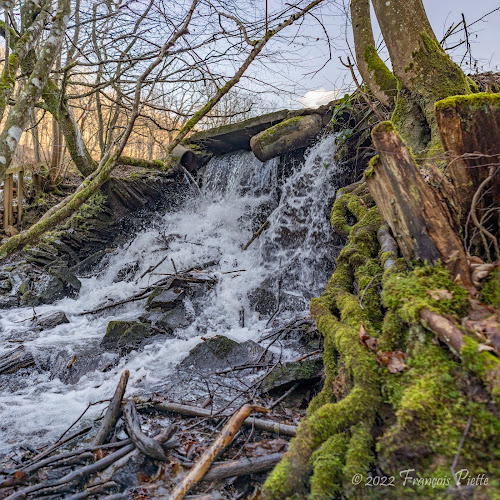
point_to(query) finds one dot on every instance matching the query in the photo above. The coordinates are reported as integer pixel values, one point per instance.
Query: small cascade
(276, 276)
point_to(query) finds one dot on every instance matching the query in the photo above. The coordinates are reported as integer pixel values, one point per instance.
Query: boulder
(220, 352)
(69, 368)
(289, 135)
(165, 299)
(124, 336)
(295, 371)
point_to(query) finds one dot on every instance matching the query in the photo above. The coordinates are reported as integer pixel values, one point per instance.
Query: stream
(292, 259)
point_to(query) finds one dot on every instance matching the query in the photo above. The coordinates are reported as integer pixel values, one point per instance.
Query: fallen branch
(227, 434)
(147, 445)
(242, 467)
(194, 411)
(161, 438)
(256, 235)
(64, 483)
(113, 410)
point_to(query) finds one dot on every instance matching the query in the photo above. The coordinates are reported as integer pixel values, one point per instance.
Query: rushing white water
(292, 257)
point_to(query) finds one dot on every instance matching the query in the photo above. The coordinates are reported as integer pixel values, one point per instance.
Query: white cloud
(315, 98)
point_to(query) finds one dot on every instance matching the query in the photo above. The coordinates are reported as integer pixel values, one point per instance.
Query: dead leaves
(365, 339)
(441, 294)
(487, 330)
(479, 270)
(394, 361)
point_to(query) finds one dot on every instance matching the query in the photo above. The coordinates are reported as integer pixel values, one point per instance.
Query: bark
(73, 139)
(113, 410)
(426, 72)
(417, 216)
(242, 467)
(20, 48)
(19, 114)
(372, 69)
(470, 132)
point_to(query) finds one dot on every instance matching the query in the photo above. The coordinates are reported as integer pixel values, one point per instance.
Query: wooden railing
(8, 196)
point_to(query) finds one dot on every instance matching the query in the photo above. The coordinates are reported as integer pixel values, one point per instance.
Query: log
(15, 360)
(113, 410)
(195, 475)
(242, 467)
(469, 126)
(147, 445)
(287, 136)
(416, 213)
(194, 411)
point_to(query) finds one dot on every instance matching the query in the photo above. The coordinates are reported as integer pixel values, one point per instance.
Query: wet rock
(46, 288)
(219, 352)
(5, 286)
(127, 335)
(70, 368)
(264, 299)
(301, 371)
(166, 299)
(8, 301)
(51, 320)
(167, 320)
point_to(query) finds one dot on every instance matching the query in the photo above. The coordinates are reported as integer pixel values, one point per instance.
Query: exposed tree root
(409, 418)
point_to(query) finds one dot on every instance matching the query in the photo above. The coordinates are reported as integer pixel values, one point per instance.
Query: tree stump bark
(416, 213)
(469, 126)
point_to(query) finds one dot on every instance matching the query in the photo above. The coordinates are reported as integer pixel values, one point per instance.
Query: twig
(113, 410)
(284, 396)
(366, 289)
(223, 440)
(194, 411)
(305, 356)
(256, 235)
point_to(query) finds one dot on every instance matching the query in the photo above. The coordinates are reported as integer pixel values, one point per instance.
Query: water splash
(293, 257)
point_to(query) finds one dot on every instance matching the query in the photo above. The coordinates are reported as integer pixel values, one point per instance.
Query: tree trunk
(19, 114)
(372, 69)
(426, 72)
(470, 133)
(415, 212)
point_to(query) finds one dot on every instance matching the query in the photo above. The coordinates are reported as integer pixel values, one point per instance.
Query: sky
(311, 89)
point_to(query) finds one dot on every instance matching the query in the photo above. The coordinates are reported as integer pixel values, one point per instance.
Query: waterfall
(293, 258)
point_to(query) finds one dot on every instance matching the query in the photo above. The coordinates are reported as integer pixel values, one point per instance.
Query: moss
(328, 462)
(412, 292)
(383, 77)
(372, 165)
(268, 136)
(490, 292)
(473, 101)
